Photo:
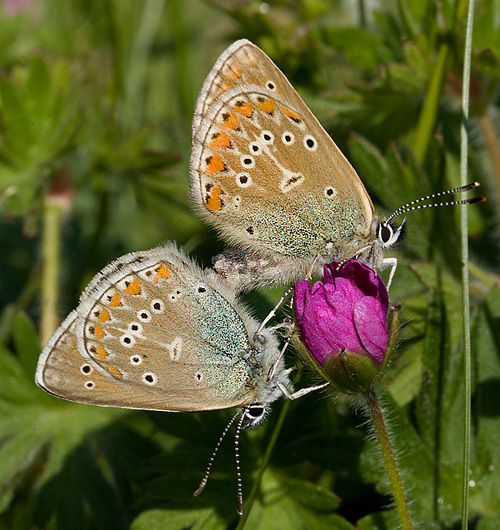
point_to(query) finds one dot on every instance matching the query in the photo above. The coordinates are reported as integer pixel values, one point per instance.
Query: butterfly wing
(151, 333)
(263, 170)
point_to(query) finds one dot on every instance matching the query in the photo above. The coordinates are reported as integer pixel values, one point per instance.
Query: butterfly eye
(385, 232)
(389, 236)
(254, 414)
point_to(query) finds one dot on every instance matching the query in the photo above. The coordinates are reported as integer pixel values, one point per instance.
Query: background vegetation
(96, 98)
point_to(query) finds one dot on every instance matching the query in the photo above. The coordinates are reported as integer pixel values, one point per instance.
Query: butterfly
(153, 331)
(267, 176)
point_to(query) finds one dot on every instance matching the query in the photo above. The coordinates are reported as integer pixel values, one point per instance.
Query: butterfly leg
(393, 264)
(299, 393)
(276, 363)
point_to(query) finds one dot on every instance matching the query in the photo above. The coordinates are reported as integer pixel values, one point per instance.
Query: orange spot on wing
(266, 106)
(231, 122)
(163, 272)
(134, 287)
(114, 370)
(116, 300)
(245, 110)
(216, 164)
(104, 316)
(214, 202)
(292, 115)
(101, 353)
(99, 332)
(221, 140)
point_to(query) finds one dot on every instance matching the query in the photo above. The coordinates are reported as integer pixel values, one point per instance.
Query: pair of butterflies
(152, 330)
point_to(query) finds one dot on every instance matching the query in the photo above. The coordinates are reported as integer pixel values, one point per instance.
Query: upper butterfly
(268, 177)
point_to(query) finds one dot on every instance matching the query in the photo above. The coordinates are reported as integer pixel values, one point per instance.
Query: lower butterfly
(153, 331)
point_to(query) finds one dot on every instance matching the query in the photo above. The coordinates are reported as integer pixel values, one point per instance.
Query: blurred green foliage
(96, 98)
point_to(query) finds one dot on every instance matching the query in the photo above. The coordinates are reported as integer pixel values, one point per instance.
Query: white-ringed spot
(288, 138)
(157, 306)
(86, 369)
(135, 360)
(310, 143)
(267, 137)
(243, 180)
(236, 202)
(89, 385)
(127, 340)
(330, 192)
(144, 315)
(255, 148)
(201, 289)
(198, 376)
(149, 378)
(247, 161)
(271, 85)
(135, 327)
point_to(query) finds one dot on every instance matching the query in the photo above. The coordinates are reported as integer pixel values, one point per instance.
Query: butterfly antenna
(239, 501)
(212, 458)
(415, 205)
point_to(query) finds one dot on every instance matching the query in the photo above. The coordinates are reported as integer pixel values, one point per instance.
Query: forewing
(263, 170)
(149, 333)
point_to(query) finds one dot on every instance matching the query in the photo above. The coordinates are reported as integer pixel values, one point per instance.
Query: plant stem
(391, 465)
(263, 466)
(465, 268)
(51, 242)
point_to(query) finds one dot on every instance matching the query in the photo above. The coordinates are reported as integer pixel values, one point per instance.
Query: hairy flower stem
(389, 458)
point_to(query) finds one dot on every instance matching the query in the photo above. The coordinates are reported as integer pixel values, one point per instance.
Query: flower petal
(371, 326)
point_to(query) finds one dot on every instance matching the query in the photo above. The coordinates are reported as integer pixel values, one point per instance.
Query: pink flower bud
(347, 311)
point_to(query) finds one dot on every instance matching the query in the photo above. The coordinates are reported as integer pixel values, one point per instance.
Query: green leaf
(360, 46)
(26, 343)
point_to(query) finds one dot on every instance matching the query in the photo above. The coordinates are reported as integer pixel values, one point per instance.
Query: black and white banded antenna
(239, 500)
(415, 205)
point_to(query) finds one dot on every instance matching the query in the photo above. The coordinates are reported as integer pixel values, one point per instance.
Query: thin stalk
(465, 268)
(51, 244)
(391, 465)
(263, 465)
